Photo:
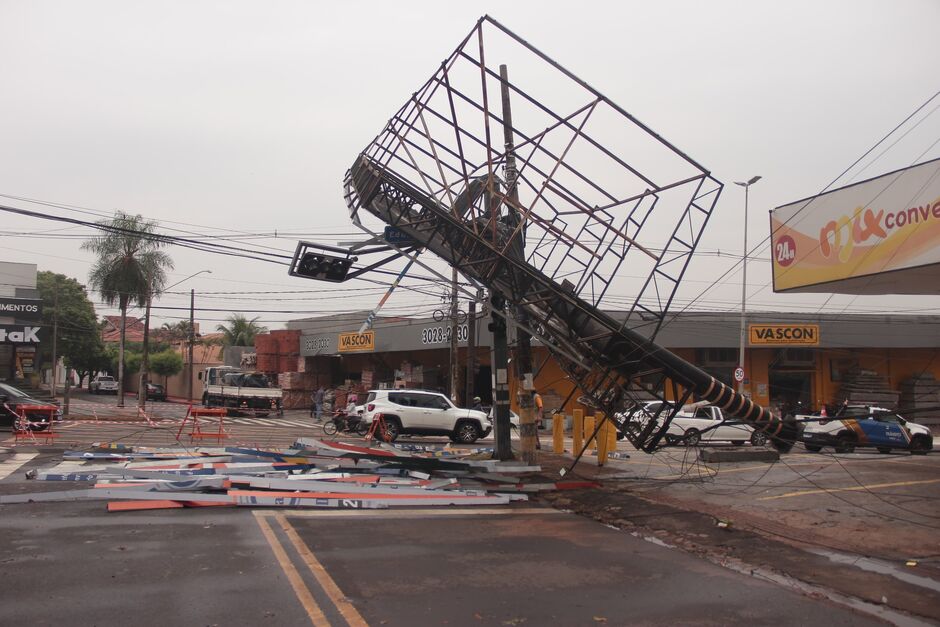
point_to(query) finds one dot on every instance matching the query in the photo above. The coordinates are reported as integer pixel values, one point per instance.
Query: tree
(130, 268)
(166, 364)
(175, 332)
(240, 331)
(66, 307)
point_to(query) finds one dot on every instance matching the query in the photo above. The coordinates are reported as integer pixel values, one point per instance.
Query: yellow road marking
(410, 513)
(326, 582)
(296, 581)
(851, 489)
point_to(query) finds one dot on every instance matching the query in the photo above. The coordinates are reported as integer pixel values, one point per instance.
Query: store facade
(20, 322)
(790, 359)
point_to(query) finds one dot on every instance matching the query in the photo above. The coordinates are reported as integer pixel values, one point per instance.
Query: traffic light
(323, 267)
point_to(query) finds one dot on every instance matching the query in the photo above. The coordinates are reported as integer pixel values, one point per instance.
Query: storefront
(20, 315)
(790, 358)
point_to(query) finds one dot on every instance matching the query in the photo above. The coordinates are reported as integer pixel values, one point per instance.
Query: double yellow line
(313, 609)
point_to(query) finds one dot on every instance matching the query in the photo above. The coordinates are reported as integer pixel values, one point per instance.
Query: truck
(240, 391)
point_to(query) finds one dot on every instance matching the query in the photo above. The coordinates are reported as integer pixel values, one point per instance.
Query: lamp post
(746, 185)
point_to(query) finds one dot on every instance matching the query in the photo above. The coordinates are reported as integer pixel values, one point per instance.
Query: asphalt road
(73, 563)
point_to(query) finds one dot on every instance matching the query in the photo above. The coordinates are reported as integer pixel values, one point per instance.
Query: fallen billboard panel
(880, 236)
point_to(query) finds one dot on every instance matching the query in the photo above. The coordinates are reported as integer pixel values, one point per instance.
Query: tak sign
(20, 335)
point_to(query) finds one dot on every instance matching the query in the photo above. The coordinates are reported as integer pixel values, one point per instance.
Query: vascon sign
(20, 335)
(784, 334)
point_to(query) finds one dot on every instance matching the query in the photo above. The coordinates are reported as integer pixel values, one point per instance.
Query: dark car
(11, 399)
(156, 392)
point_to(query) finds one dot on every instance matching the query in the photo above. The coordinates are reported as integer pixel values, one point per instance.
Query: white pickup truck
(697, 423)
(240, 391)
(103, 384)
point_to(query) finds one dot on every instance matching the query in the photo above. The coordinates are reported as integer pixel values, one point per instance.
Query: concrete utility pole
(55, 336)
(500, 374)
(454, 354)
(470, 390)
(528, 431)
(192, 340)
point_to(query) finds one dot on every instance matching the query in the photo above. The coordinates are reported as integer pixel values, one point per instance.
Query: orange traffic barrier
(558, 433)
(577, 431)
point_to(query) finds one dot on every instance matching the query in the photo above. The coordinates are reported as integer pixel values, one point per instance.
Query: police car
(865, 426)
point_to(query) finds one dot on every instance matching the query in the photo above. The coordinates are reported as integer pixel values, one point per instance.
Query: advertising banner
(886, 224)
(357, 342)
(783, 334)
(24, 308)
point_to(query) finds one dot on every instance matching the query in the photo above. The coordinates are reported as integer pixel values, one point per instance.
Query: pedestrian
(477, 403)
(539, 415)
(316, 410)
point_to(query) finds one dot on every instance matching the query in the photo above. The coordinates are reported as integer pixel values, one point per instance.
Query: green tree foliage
(240, 331)
(166, 364)
(176, 331)
(130, 267)
(78, 339)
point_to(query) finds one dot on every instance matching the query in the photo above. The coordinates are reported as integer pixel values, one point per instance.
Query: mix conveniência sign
(784, 334)
(27, 308)
(19, 335)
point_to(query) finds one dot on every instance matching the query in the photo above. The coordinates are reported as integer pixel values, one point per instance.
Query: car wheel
(884, 449)
(467, 433)
(845, 444)
(812, 448)
(392, 430)
(920, 445)
(758, 438)
(692, 437)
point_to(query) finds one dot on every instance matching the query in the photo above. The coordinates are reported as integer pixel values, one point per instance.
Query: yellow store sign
(356, 342)
(784, 334)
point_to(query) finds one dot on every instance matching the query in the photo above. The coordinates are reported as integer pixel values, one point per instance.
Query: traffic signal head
(322, 267)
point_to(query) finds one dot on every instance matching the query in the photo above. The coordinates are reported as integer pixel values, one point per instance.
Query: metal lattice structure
(549, 207)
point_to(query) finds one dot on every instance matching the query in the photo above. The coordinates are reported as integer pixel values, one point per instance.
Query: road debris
(311, 473)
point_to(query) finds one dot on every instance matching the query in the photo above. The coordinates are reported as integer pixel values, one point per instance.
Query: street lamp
(746, 186)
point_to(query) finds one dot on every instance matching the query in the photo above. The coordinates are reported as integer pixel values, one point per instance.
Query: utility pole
(500, 375)
(471, 350)
(454, 354)
(528, 430)
(55, 336)
(145, 356)
(192, 340)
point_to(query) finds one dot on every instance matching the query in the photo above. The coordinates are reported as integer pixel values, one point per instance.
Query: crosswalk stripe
(11, 465)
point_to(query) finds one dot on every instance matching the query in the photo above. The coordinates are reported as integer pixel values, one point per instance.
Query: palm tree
(130, 267)
(240, 331)
(175, 332)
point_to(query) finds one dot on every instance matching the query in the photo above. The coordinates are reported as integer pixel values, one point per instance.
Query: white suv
(419, 412)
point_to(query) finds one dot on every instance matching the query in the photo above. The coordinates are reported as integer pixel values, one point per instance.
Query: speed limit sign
(738, 374)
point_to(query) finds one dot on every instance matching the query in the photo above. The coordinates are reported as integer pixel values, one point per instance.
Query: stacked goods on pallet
(867, 387)
(266, 349)
(295, 395)
(919, 393)
(288, 349)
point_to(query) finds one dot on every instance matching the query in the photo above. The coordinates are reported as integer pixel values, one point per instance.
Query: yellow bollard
(601, 439)
(577, 431)
(611, 437)
(558, 433)
(589, 432)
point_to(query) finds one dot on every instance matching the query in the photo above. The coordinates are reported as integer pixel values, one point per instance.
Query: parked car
(513, 418)
(156, 392)
(706, 423)
(865, 426)
(12, 398)
(421, 412)
(103, 384)
(635, 418)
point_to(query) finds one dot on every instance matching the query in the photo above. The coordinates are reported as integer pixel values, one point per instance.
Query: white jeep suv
(419, 412)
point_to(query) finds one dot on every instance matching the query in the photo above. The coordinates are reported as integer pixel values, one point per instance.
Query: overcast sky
(233, 118)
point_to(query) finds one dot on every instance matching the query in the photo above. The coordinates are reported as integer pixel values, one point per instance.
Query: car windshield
(12, 392)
